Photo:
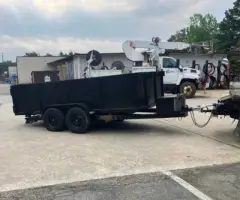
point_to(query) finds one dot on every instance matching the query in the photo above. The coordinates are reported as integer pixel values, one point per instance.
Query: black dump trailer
(76, 104)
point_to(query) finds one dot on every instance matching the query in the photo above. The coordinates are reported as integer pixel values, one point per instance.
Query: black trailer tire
(188, 89)
(54, 120)
(78, 120)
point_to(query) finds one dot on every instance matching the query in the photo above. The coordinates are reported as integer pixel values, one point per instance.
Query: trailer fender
(66, 107)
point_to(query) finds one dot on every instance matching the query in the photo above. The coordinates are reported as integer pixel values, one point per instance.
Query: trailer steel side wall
(101, 94)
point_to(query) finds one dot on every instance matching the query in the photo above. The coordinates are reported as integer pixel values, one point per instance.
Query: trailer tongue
(228, 105)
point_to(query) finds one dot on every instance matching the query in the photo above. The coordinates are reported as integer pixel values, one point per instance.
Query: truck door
(171, 71)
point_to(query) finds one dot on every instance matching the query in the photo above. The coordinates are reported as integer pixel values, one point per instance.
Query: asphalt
(142, 187)
(216, 182)
(219, 182)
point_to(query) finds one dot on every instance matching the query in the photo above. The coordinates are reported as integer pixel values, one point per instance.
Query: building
(26, 65)
(186, 58)
(12, 74)
(72, 67)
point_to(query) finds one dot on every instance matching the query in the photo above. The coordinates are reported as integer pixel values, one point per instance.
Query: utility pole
(2, 57)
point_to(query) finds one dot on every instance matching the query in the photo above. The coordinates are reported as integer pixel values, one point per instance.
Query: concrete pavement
(33, 157)
(219, 129)
(4, 89)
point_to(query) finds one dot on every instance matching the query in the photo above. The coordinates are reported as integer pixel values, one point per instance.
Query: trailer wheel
(78, 120)
(54, 119)
(188, 89)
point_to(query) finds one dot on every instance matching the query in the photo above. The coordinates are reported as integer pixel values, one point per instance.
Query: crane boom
(154, 48)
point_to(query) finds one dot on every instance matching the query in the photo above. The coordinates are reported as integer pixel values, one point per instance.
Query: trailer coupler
(203, 109)
(218, 109)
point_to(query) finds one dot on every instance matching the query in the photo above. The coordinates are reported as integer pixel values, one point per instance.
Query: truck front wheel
(188, 89)
(78, 120)
(54, 119)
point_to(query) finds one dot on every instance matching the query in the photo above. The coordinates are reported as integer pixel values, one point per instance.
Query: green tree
(229, 29)
(66, 54)
(70, 53)
(32, 54)
(61, 53)
(179, 36)
(48, 54)
(201, 28)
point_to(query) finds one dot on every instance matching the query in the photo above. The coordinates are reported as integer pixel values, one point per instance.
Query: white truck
(177, 79)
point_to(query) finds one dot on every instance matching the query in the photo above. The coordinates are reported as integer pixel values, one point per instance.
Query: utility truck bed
(79, 103)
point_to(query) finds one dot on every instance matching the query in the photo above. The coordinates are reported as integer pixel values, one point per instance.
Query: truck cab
(177, 79)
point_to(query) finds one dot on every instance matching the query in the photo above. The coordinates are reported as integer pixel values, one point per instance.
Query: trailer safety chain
(194, 118)
(200, 125)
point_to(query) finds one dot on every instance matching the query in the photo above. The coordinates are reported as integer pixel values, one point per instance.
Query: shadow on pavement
(126, 127)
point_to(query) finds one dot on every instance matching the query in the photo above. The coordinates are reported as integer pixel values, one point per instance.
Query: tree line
(224, 35)
(35, 54)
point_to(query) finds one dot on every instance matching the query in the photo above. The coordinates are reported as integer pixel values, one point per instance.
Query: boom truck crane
(177, 79)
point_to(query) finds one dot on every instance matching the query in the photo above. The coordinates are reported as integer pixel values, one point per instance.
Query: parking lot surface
(33, 157)
(208, 183)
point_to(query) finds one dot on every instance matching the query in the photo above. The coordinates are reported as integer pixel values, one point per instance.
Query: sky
(51, 26)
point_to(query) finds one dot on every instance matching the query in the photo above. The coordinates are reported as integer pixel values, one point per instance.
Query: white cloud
(20, 45)
(173, 21)
(57, 8)
(136, 19)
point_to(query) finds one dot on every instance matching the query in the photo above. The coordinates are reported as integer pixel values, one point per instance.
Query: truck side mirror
(178, 65)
